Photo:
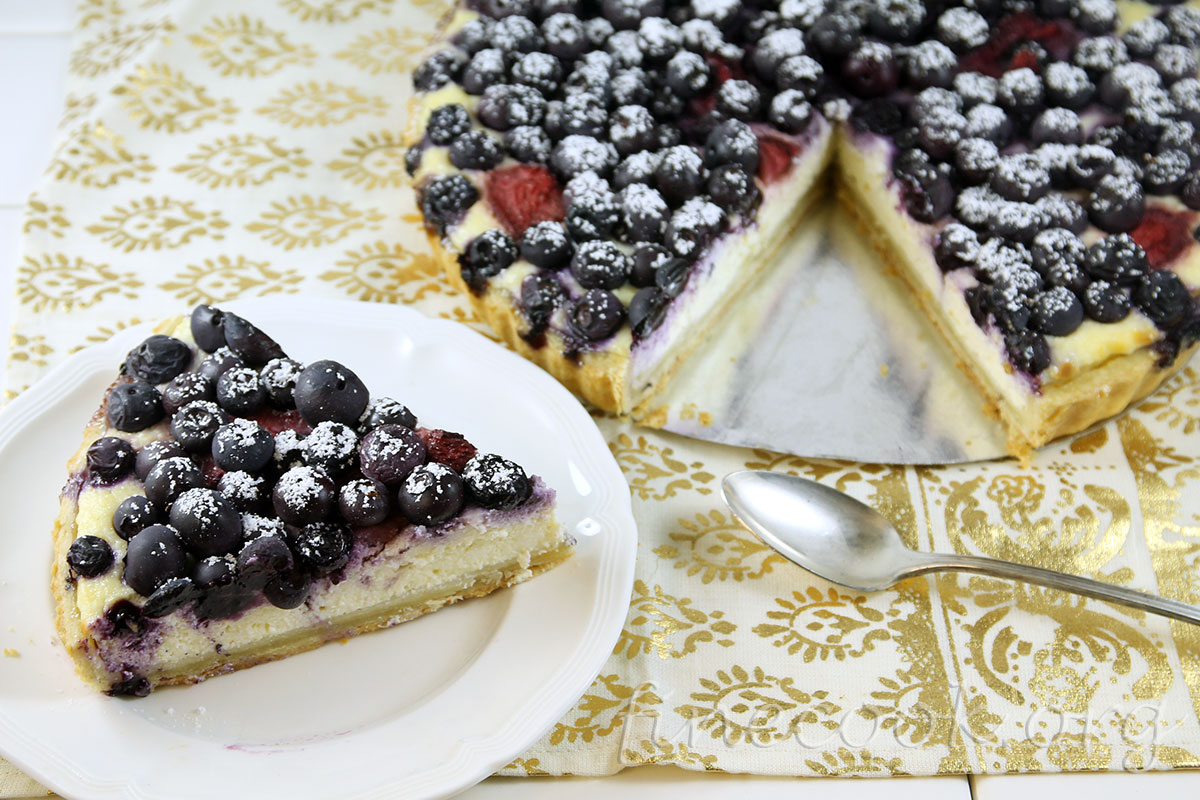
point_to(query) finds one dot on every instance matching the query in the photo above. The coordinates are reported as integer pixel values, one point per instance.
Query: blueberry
(600, 264)
(388, 453)
(790, 111)
(1095, 16)
(445, 199)
(303, 495)
(1144, 36)
(172, 595)
(975, 158)
(322, 547)
(412, 162)
(1116, 259)
(1116, 204)
(158, 359)
(278, 380)
(331, 447)
(956, 247)
(1091, 163)
(438, 70)
(289, 450)
(154, 452)
(476, 150)
(834, 34)
(693, 226)
(659, 39)
(1021, 177)
(133, 514)
(546, 245)
(733, 189)
(878, 115)
(288, 589)
(1106, 302)
(596, 315)
(647, 310)
(1021, 92)
(220, 596)
(170, 478)
(739, 99)
(870, 70)
(564, 35)
(930, 63)
(633, 87)
(206, 522)
(1058, 125)
(1166, 172)
(326, 390)
(447, 123)
(962, 29)
(928, 194)
(644, 212)
(896, 19)
(672, 276)
(940, 131)
(244, 491)
(486, 68)
(193, 425)
(1190, 193)
(495, 482)
(1063, 212)
(186, 388)
(1161, 296)
(679, 175)
(216, 363)
(1058, 254)
(516, 33)
(257, 525)
(598, 30)
(731, 142)
(208, 327)
(987, 121)
(134, 406)
(1057, 312)
(89, 557)
(1028, 351)
(647, 258)
(631, 129)
(488, 254)
(688, 74)
(528, 143)
(802, 74)
(540, 71)
(249, 343)
(363, 502)
(385, 411)
(593, 215)
(541, 294)
(240, 392)
(1175, 62)
(1015, 221)
(505, 106)
(431, 494)
(242, 445)
(154, 556)
(262, 560)
(474, 36)
(109, 459)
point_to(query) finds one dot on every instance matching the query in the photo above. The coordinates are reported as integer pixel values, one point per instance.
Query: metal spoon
(835, 536)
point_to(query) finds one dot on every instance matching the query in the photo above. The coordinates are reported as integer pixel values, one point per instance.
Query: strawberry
(523, 195)
(1163, 234)
(775, 154)
(446, 447)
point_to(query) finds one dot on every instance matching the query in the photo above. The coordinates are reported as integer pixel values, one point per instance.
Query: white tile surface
(1087, 786)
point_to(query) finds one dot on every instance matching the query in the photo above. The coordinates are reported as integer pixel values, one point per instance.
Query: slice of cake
(605, 177)
(230, 506)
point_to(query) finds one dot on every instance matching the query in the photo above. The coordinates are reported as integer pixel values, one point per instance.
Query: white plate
(423, 709)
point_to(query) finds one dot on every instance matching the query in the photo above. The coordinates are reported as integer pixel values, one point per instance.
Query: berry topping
(158, 359)
(447, 123)
(206, 522)
(600, 265)
(738, 99)
(495, 482)
(243, 445)
(1063, 212)
(1021, 177)
(1057, 312)
(564, 35)
(1106, 302)
(975, 159)
(133, 514)
(1166, 172)
(438, 70)
(541, 294)
(154, 556)
(962, 29)
(547, 245)
(1116, 204)
(476, 150)
(731, 142)
(217, 362)
(592, 215)
(487, 255)
(631, 129)
(262, 560)
(170, 478)
(447, 447)
(134, 406)
(244, 491)
(679, 175)
(186, 388)
(89, 557)
(1161, 296)
(249, 343)
(154, 452)
(1116, 259)
(303, 495)
(385, 411)
(193, 425)
(577, 154)
(732, 188)
(528, 143)
(644, 212)
(596, 315)
(870, 70)
(957, 246)
(278, 380)
(445, 199)
(363, 502)
(688, 74)
(659, 39)
(239, 391)
(289, 450)
(930, 63)
(172, 595)
(647, 310)
(326, 390)
(388, 453)
(432, 493)
(322, 547)
(523, 195)
(331, 447)
(208, 327)
(485, 69)
(110, 459)
(790, 111)
(1028, 351)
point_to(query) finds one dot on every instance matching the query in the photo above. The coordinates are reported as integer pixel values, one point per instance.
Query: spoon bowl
(847, 542)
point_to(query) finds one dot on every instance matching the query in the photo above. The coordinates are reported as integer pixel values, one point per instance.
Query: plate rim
(472, 758)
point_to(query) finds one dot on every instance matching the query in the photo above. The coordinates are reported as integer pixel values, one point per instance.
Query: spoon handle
(1061, 580)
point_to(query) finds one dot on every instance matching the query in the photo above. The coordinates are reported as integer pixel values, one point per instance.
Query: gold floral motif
(1078, 751)
(75, 107)
(387, 273)
(222, 279)
(308, 221)
(316, 103)
(526, 766)
(646, 465)
(386, 50)
(716, 547)
(93, 155)
(249, 160)
(240, 46)
(662, 750)
(845, 761)
(104, 333)
(752, 706)
(90, 12)
(157, 223)
(1177, 403)
(115, 46)
(603, 709)
(333, 10)
(43, 216)
(666, 619)
(161, 98)
(30, 350)
(819, 624)
(56, 282)
(374, 161)
(1090, 442)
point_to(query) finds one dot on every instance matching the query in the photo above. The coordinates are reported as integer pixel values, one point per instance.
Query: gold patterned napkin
(212, 150)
